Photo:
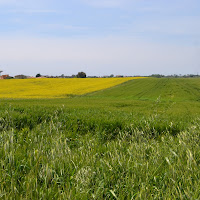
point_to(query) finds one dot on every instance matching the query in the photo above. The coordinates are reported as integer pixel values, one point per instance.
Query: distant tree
(81, 75)
(38, 75)
(112, 75)
(9, 77)
(157, 75)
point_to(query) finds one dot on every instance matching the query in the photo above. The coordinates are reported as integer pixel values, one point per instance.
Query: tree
(9, 77)
(81, 75)
(157, 75)
(38, 75)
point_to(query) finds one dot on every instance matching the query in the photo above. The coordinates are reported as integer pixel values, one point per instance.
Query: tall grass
(62, 153)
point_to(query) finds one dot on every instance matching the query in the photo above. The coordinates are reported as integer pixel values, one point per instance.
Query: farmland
(134, 140)
(55, 88)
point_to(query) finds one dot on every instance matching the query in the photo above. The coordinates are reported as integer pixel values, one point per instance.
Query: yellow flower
(55, 88)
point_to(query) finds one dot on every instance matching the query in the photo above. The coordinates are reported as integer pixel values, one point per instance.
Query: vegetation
(81, 75)
(55, 88)
(38, 75)
(175, 76)
(137, 140)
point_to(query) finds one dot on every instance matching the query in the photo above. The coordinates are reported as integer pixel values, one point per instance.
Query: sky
(100, 37)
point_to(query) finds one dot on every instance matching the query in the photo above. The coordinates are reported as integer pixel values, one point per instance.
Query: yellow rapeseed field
(55, 88)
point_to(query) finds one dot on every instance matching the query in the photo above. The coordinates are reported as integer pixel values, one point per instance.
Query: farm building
(4, 76)
(20, 76)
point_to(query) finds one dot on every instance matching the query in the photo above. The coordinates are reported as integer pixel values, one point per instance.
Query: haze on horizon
(100, 37)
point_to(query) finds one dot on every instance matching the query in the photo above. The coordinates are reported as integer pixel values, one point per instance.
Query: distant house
(4, 76)
(20, 76)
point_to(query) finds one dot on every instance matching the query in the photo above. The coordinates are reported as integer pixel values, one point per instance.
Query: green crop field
(136, 140)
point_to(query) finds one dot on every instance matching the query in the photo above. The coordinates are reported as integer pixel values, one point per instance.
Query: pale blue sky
(100, 37)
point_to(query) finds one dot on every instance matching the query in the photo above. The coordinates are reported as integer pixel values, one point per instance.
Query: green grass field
(137, 140)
